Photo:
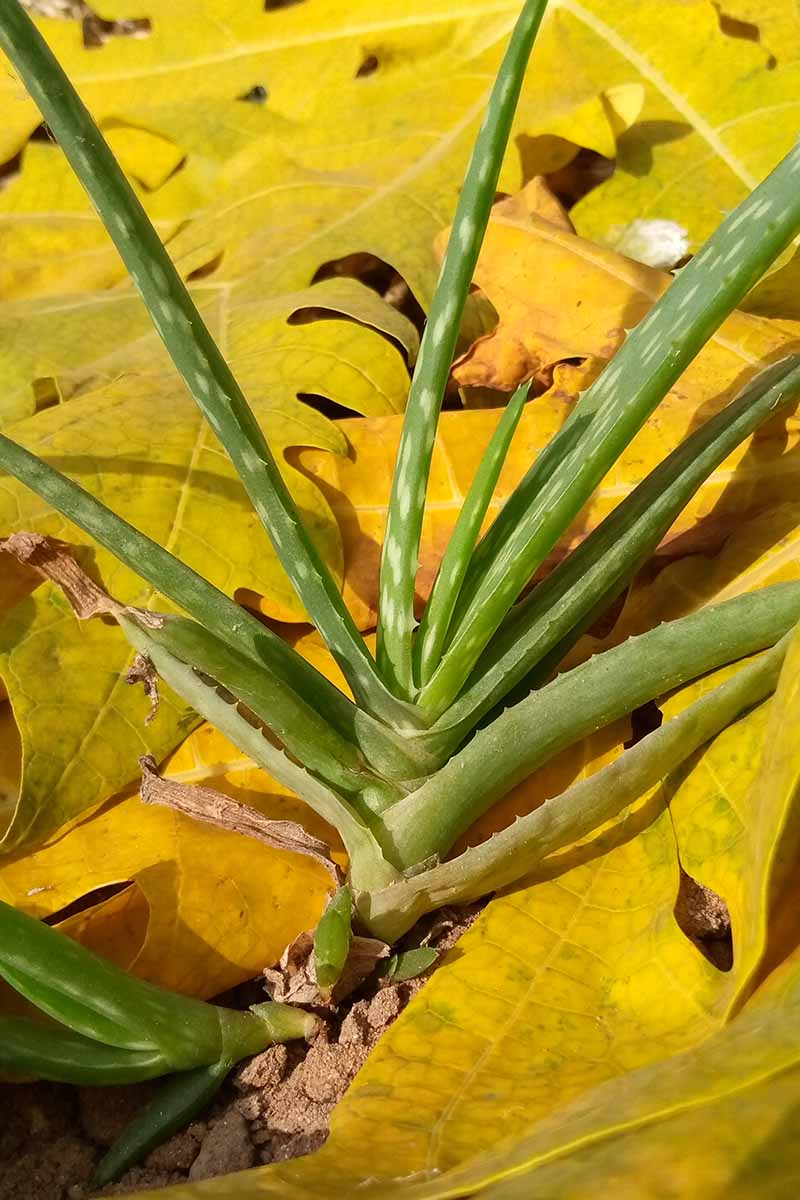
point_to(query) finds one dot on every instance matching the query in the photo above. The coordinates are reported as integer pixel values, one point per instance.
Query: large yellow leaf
(357, 159)
(219, 906)
(709, 129)
(716, 116)
(717, 1121)
(51, 237)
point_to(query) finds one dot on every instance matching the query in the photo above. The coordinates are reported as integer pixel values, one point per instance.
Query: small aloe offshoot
(108, 1027)
(452, 713)
(332, 940)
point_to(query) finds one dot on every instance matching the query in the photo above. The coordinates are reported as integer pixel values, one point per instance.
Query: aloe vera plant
(426, 745)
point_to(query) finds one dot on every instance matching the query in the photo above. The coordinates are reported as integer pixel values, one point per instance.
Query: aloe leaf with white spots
(575, 704)
(516, 851)
(609, 414)
(409, 486)
(444, 594)
(400, 771)
(541, 628)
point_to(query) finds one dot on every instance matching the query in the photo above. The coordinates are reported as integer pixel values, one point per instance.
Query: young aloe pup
(425, 745)
(117, 1029)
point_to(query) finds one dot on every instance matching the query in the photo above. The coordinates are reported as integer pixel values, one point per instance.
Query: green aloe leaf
(609, 414)
(409, 485)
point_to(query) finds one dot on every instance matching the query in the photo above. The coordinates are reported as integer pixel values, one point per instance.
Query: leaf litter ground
(275, 1107)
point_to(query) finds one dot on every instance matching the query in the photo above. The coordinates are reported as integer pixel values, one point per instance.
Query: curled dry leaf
(55, 560)
(204, 804)
(293, 981)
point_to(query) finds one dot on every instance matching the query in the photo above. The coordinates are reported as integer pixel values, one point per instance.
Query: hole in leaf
(10, 168)
(46, 393)
(378, 275)
(206, 269)
(42, 133)
(735, 28)
(586, 171)
(97, 30)
(368, 67)
(704, 917)
(309, 316)
(605, 621)
(89, 900)
(277, 5)
(329, 408)
(257, 94)
(646, 719)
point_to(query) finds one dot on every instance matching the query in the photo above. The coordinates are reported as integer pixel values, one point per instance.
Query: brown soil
(274, 1106)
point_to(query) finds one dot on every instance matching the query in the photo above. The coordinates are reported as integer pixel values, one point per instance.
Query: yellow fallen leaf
(352, 153)
(715, 1121)
(52, 239)
(115, 927)
(716, 116)
(709, 132)
(219, 906)
(527, 261)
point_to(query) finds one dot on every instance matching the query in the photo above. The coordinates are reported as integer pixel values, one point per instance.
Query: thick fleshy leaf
(579, 986)
(760, 550)
(762, 473)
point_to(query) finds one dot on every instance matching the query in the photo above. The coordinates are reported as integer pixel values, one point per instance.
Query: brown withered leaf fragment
(142, 671)
(204, 804)
(293, 980)
(55, 561)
